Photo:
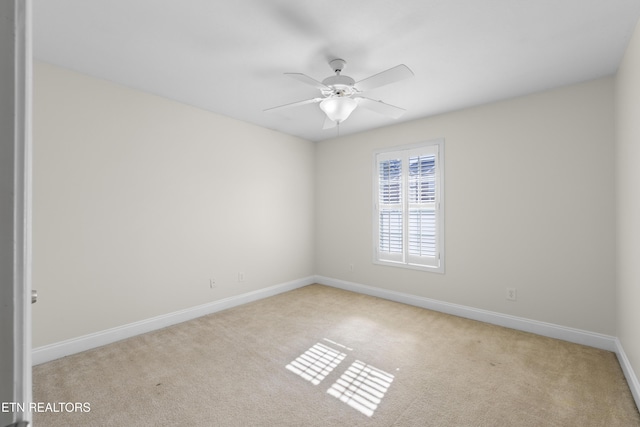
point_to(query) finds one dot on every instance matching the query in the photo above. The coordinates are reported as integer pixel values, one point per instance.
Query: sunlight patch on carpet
(362, 387)
(316, 363)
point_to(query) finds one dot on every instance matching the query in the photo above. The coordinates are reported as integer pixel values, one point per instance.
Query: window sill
(432, 269)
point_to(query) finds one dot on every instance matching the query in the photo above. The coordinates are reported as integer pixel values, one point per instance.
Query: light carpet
(319, 356)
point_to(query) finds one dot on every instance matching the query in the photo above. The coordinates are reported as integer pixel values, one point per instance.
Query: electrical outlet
(351, 268)
(512, 294)
(212, 283)
(241, 276)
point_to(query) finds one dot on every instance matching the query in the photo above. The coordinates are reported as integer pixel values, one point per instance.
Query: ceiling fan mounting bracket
(337, 65)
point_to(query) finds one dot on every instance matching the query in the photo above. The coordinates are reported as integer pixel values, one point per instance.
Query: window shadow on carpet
(361, 386)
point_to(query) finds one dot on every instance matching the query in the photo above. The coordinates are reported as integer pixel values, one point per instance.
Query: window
(408, 208)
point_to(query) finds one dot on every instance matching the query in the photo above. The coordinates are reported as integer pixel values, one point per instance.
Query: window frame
(406, 260)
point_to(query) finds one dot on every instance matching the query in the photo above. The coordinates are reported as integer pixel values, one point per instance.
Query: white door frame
(15, 212)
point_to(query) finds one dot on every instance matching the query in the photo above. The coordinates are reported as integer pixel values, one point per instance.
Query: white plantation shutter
(408, 214)
(422, 208)
(391, 231)
(390, 215)
(422, 233)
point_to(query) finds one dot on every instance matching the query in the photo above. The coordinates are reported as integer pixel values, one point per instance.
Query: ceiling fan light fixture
(338, 109)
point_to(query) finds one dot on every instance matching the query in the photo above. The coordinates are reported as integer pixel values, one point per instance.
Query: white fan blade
(308, 80)
(380, 107)
(392, 75)
(295, 104)
(328, 123)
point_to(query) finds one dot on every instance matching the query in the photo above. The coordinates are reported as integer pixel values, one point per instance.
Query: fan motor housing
(341, 85)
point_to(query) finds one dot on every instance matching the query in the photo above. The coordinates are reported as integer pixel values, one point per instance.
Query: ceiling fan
(341, 94)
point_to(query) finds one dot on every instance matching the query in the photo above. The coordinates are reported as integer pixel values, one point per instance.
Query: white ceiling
(229, 56)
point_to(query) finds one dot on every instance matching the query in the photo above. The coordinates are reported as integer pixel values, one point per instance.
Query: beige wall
(628, 191)
(529, 203)
(139, 201)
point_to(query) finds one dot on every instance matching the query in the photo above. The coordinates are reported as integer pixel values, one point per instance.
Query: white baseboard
(76, 345)
(592, 339)
(98, 339)
(551, 330)
(629, 374)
